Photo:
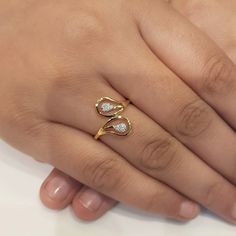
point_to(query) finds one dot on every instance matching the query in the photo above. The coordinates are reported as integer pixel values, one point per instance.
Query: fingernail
(57, 189)
(90, 199)
(234, 211)
(188, 210)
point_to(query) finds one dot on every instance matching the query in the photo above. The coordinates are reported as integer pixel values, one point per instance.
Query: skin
(80, 51)
(206, 15)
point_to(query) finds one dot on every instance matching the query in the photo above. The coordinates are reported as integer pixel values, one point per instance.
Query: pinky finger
(90, 205)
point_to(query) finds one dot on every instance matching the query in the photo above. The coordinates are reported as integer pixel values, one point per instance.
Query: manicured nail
(58, 189)
(188, 210)
(234, 211)
(90, 199)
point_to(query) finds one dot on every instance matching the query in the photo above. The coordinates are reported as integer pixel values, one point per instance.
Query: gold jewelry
(117, 124)
(109, 107)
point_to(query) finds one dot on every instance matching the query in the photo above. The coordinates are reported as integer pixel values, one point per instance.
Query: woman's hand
(58, 58)
(208, 16)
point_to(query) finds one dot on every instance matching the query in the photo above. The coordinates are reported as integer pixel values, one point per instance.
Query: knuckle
(193, 8)
(24, 120)
(217, 75)
(212, 194)
(159, 154)
(73, 86)
(105, 174)
(84, 27)
(36, 128)
(152, 204)
(194, 119)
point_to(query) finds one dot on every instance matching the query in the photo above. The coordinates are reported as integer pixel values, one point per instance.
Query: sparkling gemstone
(121, 128)
(107, 107)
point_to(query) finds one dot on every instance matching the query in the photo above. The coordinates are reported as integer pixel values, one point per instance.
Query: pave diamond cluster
(106, 106)
(121, 128)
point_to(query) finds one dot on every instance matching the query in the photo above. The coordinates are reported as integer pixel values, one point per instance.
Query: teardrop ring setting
(117, 124)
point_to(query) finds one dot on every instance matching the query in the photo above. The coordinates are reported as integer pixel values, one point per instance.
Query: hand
(207, 15)
(72, 56)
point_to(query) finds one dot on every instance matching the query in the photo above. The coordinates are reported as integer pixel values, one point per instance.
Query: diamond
(121, 128)
(107, 107)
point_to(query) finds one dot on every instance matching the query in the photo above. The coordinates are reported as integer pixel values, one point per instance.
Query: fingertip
(89, 205)
(189, 210)
(58, 190)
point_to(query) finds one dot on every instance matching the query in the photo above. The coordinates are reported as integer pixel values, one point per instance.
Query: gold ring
(117, 124)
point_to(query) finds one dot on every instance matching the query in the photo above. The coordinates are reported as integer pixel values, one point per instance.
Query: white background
(22, 214)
